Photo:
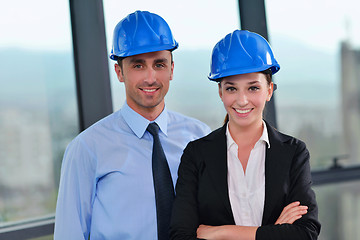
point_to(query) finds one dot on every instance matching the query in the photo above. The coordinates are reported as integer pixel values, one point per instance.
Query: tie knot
(153, 128)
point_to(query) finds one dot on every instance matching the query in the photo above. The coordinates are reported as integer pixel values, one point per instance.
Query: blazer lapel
(216, 163)
(277, 163)
(276, 169)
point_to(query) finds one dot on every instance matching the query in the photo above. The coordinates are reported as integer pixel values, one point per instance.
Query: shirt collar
(264, 137)
(138, 123)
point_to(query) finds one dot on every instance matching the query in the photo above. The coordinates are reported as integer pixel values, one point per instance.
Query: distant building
(27, 152)
(350, 87)
(26, 173)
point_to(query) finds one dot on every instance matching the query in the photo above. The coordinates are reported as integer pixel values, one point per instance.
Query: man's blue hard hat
(241, 52)
(141, 32)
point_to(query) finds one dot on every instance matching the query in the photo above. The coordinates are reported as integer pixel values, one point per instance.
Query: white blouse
(247, 189)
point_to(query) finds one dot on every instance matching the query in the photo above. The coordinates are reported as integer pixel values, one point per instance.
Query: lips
(149, 90)
(243, 111)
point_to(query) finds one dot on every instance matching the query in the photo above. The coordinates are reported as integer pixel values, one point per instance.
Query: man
(109, 178)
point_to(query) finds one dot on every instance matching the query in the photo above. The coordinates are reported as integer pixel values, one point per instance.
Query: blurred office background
(56, 79)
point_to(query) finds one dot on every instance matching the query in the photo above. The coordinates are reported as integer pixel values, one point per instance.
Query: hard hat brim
(218, 76)
(116, 55)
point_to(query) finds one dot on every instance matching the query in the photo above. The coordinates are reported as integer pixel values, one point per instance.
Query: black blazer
(202, 189)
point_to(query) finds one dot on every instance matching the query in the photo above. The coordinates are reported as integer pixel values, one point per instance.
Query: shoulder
(179, 120)
(106, 128)
(287, 150)
(215, 135)
(277, 136)
(212, 140)
(100, 125)
(176, 117)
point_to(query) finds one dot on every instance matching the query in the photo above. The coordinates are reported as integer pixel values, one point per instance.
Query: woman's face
(244, 97)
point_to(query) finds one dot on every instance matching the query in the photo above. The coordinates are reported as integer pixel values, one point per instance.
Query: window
(197, 26)
(318, 99)
(318, 92)
(339, 207)
(38, 108)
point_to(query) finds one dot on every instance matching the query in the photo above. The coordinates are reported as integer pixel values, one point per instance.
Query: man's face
(146, 77)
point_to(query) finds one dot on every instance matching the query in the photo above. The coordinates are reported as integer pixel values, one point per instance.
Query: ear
(119, 73)
(172, 71)
(220, 90)
(270, 91)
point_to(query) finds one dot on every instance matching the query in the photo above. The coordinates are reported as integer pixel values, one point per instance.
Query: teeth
(242, 111)
(149, 90)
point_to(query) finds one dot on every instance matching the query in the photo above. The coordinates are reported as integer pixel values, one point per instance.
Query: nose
(242, 99)
(150, 76)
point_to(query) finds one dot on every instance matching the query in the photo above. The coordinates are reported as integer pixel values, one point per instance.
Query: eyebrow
(249, 83)
(161, 60)
(228, 83)
(139, 60)
(253, 82)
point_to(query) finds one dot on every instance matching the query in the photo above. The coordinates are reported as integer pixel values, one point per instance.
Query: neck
(251, 133)
(150, 113)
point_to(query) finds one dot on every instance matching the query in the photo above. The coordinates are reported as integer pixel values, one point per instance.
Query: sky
(35, 24)
(44, 24)
(318, 23)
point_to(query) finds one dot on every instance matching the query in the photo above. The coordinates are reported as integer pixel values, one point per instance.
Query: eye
(230, 89)
(137, 66)
(159, 65)
(254, 88)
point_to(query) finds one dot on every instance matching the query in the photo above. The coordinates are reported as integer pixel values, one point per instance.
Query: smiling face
(147, 78)
(244, 97)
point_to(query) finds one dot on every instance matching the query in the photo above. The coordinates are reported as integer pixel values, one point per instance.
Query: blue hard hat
(241, 52)
(141, 32)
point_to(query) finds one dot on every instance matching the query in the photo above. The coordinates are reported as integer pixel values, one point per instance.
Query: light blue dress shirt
(106, 187)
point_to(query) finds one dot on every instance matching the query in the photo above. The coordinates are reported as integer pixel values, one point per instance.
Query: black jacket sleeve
(298, 188)
(185, 218)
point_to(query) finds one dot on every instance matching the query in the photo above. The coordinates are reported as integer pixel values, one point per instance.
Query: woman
(244, 180)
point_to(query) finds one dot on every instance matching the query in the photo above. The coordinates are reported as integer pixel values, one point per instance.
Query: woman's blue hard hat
(241, 52)
(141, 32)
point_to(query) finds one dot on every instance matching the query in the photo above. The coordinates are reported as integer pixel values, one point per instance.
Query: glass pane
(339, 211)
(197, 30)
(318, 85)
(38, 109)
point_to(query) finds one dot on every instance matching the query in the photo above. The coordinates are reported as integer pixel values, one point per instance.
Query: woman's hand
(228, 232)
(206, 232)
(291, 213)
